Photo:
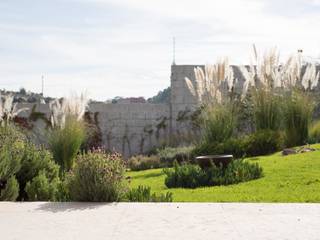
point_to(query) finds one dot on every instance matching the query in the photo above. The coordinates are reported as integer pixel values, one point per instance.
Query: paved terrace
(153, 221)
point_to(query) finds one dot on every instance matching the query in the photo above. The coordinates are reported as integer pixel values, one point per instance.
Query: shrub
(10, 191)
(185, 175)
(241, 171)
(34, 161)
(11, 152)
(192, 176)
(65, 142)
(41, 188)
(141, 162)
(263, 142)
(143, 194)
(97, 177)
(298, 112)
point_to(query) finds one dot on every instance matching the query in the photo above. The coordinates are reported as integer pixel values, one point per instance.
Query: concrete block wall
(126, 128)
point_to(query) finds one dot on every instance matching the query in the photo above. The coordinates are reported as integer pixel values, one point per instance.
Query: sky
(124, 48)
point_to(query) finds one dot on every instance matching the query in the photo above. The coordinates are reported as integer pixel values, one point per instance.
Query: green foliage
(34, 161)
(11, 190)
(26, 172)
(65, 142)
(267, 109)
(41, 188)
(314, 132)
(161, 97)
(192, 176)
(97, 177)
(143, 194)
(297, 117)
(218, 122)
(11, 152)
(186, 175)
(141, 162)
(263, 142)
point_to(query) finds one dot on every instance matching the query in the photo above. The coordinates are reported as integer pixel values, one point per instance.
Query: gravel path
(153, 221)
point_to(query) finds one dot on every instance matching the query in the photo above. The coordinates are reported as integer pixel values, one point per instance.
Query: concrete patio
(46, 221)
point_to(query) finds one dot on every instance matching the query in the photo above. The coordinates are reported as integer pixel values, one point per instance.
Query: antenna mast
(174, 51)
(42, 84)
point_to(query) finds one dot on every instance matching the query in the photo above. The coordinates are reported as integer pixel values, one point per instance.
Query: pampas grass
(270, 83)
(68, 129)
(298, 110)
(207, 88)
(8, 109)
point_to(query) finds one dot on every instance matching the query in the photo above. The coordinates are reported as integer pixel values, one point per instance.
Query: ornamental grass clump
(297, 117)
(279, 93)
(218, 123)
(68, 129)
(218, 118)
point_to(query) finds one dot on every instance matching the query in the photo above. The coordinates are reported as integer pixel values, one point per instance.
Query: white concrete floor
(152, 221)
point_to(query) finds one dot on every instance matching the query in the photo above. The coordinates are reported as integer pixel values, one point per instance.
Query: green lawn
(294, 178)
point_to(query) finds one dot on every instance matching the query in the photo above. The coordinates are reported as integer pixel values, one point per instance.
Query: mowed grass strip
(293, 178)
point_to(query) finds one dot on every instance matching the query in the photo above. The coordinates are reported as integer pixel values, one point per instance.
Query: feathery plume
(74, 106)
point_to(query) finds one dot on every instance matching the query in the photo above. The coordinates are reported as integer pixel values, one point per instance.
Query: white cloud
(123, 47)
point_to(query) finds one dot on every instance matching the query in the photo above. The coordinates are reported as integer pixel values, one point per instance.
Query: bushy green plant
(41, 188)
(141, 162)
(192, 176)
(9, 189)
(11, 152)
(97, 177)
(143, 194)
(185, 175)
(35, 160)
(241, 171)
(218, 122)
(298, 112)
(263, 142)
(65, 142)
